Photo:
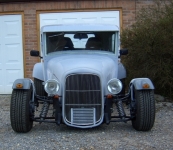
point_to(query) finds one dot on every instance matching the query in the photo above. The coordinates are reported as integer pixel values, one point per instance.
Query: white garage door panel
(1, 56)
(11, 51)
(10, 26)
(1, 84)
(11, 75)
(102, 17)
(1, 60)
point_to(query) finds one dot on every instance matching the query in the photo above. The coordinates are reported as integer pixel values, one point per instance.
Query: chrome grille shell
(83, 103)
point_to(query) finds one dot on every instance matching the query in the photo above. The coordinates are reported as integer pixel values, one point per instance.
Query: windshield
(61, 41)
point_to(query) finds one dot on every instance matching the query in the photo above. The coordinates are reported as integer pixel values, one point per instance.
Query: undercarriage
(51, 109)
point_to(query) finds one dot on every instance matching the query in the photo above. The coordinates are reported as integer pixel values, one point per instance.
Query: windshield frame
(115, 50)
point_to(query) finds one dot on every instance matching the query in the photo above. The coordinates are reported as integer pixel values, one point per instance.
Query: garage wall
(32, 10)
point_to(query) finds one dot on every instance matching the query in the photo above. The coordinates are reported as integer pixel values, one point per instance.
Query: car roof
(79, 27)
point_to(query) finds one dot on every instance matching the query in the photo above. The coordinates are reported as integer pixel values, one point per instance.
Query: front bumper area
(81, 117)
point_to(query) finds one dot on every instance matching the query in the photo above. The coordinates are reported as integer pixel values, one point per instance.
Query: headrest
(93, 43)
(69, 43)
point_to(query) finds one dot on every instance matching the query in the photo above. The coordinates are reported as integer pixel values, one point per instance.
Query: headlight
(114, 86)
(51, 86)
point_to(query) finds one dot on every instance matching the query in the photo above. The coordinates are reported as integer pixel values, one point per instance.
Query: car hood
(103, 65)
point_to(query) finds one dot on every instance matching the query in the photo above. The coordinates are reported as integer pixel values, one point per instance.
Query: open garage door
(101, 17)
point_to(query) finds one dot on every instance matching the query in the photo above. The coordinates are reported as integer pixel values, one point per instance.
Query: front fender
(38, 71)
(25, 84)
(138, 83)
(121, 71)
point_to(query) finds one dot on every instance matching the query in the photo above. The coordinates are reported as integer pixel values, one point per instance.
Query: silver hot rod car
(79, 81)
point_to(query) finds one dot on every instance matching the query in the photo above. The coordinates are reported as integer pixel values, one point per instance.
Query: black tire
(144, 111)
(39, 87)
(20, 110)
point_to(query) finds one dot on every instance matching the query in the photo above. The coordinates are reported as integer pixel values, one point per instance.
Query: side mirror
(34, 53)
(123, 52)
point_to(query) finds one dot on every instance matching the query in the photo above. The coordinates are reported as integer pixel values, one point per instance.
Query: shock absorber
(44, 110)
(120, 109)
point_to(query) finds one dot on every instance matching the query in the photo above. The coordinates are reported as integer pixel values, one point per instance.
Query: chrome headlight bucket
(114, 86)
(51, 86)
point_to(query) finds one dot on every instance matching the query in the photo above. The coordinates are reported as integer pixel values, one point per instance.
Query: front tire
(144, 115)
(20, 110)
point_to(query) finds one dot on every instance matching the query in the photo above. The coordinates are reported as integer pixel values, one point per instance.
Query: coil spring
(44, 110)
(120, 109)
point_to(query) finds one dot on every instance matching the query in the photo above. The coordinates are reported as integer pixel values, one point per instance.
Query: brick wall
(30, 9)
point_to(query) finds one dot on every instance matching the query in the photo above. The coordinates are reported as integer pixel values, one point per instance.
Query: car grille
(83, 99)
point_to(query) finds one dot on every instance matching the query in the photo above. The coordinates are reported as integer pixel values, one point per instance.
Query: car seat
(93, 43)
(69, 44)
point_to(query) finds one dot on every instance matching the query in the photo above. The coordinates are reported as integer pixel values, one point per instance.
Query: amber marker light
(109, 96)
(56, 96)
(19, 85)
(146, 86)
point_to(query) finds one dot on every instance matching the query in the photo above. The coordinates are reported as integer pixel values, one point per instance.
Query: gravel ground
(116, 136)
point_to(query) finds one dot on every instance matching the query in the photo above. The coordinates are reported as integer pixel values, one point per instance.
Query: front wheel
(143, 110)
(20, 114)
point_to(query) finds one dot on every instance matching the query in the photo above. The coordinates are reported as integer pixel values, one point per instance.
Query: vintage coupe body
(79, 79)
